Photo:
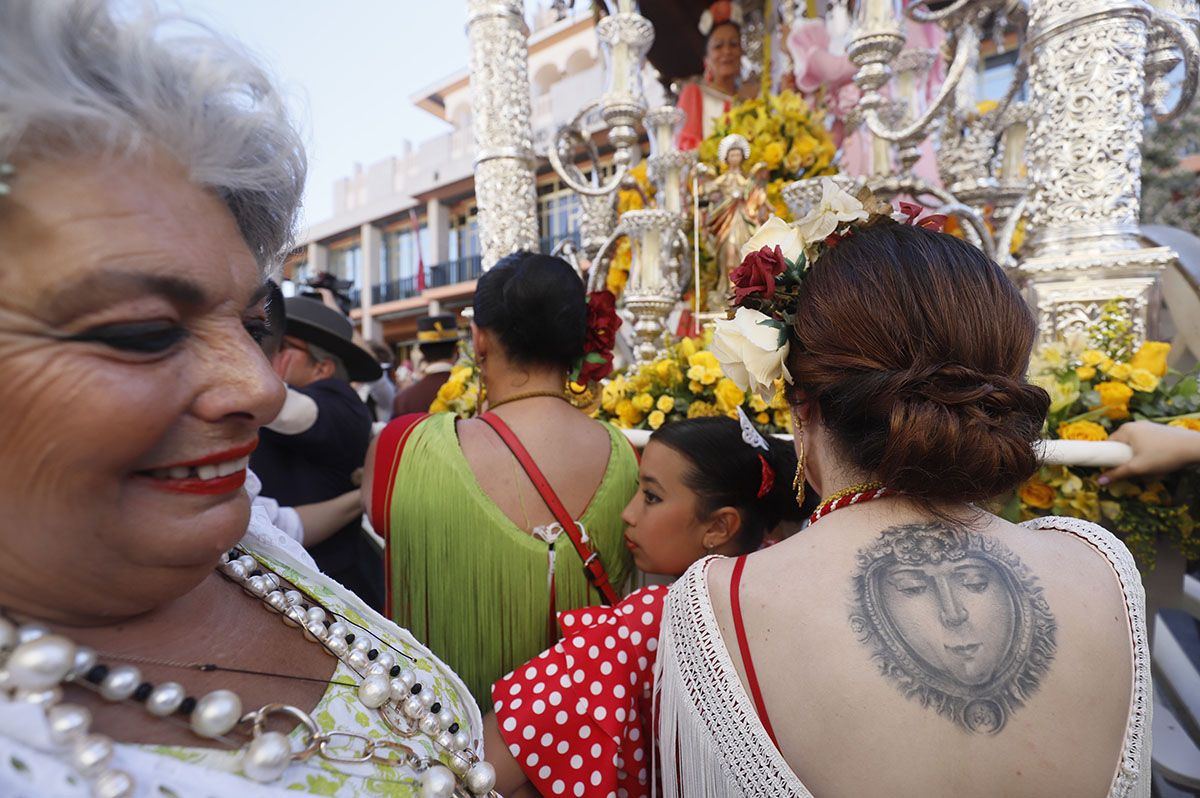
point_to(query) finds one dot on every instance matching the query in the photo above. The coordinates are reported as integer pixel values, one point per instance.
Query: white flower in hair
(836, 207)
(752, 349)
(775, 232)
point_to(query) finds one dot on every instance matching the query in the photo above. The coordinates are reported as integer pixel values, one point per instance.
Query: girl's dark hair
(536, 304)
(725, 472)
(915, 345)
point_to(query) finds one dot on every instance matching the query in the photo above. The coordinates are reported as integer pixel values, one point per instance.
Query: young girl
(576, 720)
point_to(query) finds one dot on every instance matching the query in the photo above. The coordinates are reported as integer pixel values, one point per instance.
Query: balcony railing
(450, 272)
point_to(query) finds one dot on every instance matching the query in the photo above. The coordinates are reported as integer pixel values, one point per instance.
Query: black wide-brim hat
(316, 323)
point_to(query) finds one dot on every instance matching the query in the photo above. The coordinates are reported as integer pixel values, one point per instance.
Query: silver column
(505, 187)
(1087, 86)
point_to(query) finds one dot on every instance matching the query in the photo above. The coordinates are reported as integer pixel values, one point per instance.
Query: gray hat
(315, 322)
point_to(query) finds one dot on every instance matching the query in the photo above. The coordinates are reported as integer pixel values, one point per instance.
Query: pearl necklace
(35, 663)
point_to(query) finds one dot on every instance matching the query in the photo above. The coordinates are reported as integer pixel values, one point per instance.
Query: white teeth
(206, 472)
(232, 466)
(178, 472)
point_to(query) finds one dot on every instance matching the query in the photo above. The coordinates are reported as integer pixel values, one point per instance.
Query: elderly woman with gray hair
(156, 636)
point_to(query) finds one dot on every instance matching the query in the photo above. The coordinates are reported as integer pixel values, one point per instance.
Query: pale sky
(348, 68)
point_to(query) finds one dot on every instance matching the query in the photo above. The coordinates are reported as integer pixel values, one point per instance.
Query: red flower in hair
(757, 274)
(912, 212)
(722, 12)
(602, 325)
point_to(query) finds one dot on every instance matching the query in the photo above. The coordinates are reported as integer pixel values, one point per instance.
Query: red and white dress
(578, 717)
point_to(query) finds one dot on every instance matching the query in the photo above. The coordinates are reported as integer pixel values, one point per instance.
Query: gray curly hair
(76, 78)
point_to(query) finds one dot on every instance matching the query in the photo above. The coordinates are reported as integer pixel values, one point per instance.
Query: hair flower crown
(752, 343)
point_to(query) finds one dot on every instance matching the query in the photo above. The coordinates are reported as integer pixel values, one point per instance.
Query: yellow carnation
(687, 347)
(1152, 356)
(757, 404)
(773, 154)
(666, 370)
(1094, 357)
(439, 406)
(704, 367)
(1114, 396)
(763, 418)
(1037, 494)
(695, 387)
(1142, 380)
(1185, 423)
(1085, 372)
(702, 410)
(460, 374)
(665, 403)
(1082, 431)
(656, 419)
(611, 393)
(644, 402)
(450, 390)
(729, 396)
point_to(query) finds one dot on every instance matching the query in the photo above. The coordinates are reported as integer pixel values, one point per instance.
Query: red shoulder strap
(388, 450)
(735, 607)
(592, 567)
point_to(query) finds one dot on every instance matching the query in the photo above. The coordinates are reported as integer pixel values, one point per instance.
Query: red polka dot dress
(578, 716)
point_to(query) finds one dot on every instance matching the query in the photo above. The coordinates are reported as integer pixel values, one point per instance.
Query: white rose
(775, 232)
(750, 351)
(836, 207)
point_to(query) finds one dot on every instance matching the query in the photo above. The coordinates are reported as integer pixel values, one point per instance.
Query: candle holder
(667, 167)
(653, 287)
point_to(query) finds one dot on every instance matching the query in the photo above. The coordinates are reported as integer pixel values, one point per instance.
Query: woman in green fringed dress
(468, 565)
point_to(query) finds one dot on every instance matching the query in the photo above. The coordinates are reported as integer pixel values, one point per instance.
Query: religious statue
(736, 205)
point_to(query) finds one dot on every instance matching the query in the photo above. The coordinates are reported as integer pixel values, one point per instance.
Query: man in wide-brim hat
(320, 438)
(437, 338)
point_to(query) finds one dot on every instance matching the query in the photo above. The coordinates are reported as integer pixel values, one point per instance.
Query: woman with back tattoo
(908, 642)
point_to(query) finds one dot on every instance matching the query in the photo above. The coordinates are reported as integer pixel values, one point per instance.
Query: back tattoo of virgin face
(955, 620)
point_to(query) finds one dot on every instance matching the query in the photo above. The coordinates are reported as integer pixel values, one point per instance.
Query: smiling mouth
(202, 472)
(215, 474)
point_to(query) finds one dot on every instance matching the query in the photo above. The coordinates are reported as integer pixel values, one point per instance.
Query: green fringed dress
(470, 583)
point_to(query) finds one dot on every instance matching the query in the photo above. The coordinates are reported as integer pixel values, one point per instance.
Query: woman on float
(149, 183)
(577, 719)
(705, 99)
(907, 642)
(478, 560)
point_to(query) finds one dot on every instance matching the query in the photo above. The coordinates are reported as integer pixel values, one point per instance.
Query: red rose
(757, 274)
(602, 322)
(600, 338)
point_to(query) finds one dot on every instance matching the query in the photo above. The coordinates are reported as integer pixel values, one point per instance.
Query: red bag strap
(593, 568)
(388, 450)
(739, 627)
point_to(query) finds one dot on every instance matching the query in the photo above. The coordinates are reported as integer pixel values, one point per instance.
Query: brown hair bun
(915, 345)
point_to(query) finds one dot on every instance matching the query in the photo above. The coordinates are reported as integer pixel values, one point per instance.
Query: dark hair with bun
(537, 306)
(915, 345)
(726, 472)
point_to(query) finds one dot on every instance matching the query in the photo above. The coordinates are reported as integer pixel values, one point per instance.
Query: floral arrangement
(686, 382)
(1097, 381)
(459, 394)
(752, 344)
(785, 133)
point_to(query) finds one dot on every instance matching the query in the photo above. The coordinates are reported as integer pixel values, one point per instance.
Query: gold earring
(798, 482)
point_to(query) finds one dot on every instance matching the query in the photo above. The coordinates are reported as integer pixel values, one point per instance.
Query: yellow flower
(1155, 494)
(687, 347)
(1086, 504)
(611, 393)
(695, 387)
(439, 406)
(783, 420)
(704, 367)
(1037, 494)
(628, 414)
(1082, 431)
(451, 389)
(701, 410)
(1142, 380)
(1119, 371)
(665, 403)
(757, 404)
(729, 396)
(763, 418)
(1114, 396)
(1062, 395)
(773, 154)
(1085, 372)
(641, 381)
(1094, 357)
(1185, 423)
(1152, 356)
(656, 419)
(644, 402)
(1054, 355)
(460, 374)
